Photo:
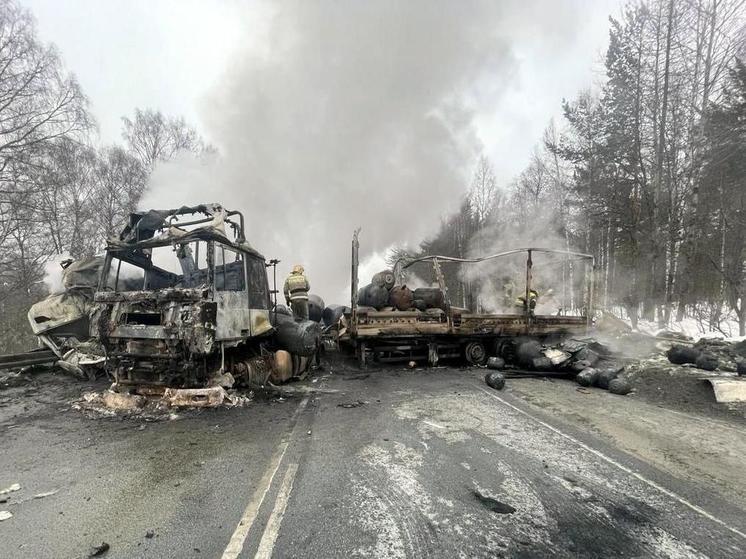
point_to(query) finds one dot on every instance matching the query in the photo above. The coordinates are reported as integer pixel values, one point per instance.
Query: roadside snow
(692, 326)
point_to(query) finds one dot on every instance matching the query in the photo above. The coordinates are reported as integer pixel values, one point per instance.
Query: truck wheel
(475, 353)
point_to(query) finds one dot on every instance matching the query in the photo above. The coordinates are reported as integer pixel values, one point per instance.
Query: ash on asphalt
(117, 478)
(433, 464)
(436, 467)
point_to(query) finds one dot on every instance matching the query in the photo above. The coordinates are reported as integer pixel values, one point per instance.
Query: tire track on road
(650, 483)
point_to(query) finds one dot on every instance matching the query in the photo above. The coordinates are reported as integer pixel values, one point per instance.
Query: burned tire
(495, 380)
(299, 338)
(384, 278)
(333, 313)
(496, 363)
(620, 386)
(679, 354)
(580, 366)
(542, 364)
(372, 295)
(431, 296)
(587, 377)
(527, 352)
(741, 367)
(315, 308)
(587, 355)
(401, 297)
(506, 348)
(707, 361)
(475, 353)
(605, 377)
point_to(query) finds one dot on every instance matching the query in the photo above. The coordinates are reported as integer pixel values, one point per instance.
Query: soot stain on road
(493, 504)
(574, 502)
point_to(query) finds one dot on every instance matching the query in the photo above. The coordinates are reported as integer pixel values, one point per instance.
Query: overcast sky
(333, 115)
(169, 54)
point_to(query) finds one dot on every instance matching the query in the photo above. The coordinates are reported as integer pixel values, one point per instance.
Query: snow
(695, 327)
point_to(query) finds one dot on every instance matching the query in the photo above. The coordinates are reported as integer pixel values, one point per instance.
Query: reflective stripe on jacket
(296, 287)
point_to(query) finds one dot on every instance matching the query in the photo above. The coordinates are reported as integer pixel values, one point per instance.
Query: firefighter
(296, 292)
(533, 296)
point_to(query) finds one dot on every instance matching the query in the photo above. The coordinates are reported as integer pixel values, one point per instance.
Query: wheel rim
(475, 353)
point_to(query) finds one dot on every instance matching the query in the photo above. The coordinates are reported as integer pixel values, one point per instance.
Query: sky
(315, 105)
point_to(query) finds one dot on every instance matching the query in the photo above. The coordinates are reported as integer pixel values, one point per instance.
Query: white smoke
(53, 273)
(559, 279)
(353, 114)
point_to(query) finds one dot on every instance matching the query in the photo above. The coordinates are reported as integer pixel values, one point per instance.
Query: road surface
(387, 463)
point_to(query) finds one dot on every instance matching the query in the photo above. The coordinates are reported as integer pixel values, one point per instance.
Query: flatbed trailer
(452, 332)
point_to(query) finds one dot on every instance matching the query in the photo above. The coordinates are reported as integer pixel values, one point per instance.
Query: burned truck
(183, 300)
(383, 329)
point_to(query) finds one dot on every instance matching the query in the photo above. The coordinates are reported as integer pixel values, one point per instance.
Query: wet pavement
(387, 463)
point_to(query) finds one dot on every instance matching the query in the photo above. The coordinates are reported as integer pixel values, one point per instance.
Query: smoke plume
(352, 114)
(559, 279)
(53, 273)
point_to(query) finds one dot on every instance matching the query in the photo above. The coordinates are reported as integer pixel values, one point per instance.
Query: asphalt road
(390, 463)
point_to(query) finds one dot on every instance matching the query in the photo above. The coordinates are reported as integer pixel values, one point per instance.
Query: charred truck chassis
(163, 328)
(450, 333)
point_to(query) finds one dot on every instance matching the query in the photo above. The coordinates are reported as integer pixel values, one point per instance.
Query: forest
(62, 193)
(646, 172)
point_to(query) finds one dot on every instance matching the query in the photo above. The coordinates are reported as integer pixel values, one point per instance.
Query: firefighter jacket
(296, 287)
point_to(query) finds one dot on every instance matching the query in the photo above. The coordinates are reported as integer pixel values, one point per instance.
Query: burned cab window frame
(256, 270)
(230, 276)
(155, 277)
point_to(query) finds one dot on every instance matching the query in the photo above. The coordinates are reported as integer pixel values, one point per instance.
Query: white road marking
(236, 543)
(622, 467)
(272, 530)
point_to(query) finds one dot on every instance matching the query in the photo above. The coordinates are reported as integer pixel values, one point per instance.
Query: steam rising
(53, 273)
(559, 279)
(352, 114)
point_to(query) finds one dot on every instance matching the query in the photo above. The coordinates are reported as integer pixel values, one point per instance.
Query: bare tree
(120, 181)
(151, 137)
(483, 194)
(40, 104)
(38, 101)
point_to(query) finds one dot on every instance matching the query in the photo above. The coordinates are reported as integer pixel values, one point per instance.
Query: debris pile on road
(711, 354)
(158, 403)
(588, 361)
(85, 360)
(703, 373)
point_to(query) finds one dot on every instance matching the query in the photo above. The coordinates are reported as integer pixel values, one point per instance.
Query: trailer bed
(397, 324)
(390, 336)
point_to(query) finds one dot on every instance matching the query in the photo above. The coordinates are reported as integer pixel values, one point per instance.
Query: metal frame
(400, 324)
(402, 264)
